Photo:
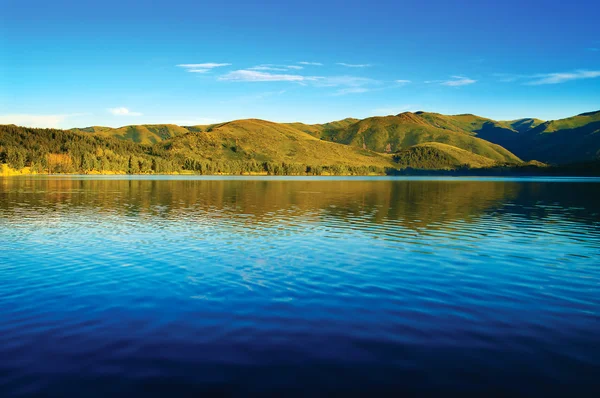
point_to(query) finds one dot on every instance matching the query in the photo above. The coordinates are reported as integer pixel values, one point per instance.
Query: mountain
(143, 134)
(419, 140)
(569, 140)
(264, 141)
(321, 130)
(394, 133)
(522, 125)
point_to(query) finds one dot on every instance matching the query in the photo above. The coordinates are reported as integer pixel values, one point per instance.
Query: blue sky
(113, 63)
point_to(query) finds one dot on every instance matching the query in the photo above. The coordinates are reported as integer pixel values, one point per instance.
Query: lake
(177, 286)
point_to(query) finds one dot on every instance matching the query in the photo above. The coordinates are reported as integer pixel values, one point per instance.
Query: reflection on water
(162, 285)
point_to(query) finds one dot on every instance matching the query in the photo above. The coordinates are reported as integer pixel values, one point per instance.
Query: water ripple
(108, 286)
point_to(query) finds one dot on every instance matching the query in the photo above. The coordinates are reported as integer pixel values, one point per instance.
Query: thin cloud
(202, 68)
(276, 68)
(310, 63)
(246, 75)
(402, 82)
(347, 84)
(208, 65)
(269, 68)
(351, 90)
(458, 81)
(122, 111)
(354, 65)
(593, 49)
(556, 78)
(350, 81)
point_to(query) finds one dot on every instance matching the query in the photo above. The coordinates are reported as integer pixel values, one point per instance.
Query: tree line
(59, 151)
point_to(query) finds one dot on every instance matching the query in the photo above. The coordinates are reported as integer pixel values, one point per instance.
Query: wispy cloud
(347, 84)
(458, 81)
(350, 81)
(275, 73)
(351, 90)
(354, 65)
(43, 121)
(556, 78)
(547, 78)
(122, 111)
(402, 82)
(276, 68)
(593, 49)
(268, 67)
(310, 63)
(246, 75)
(202, 68)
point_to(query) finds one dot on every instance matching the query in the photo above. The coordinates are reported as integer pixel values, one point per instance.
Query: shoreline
(523, 171)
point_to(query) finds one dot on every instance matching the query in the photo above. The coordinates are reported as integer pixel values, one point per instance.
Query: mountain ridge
(426, 140)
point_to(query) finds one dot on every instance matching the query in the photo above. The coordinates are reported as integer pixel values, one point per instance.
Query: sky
(113, 63)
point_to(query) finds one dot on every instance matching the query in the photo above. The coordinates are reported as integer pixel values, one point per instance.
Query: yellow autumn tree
(59, 163)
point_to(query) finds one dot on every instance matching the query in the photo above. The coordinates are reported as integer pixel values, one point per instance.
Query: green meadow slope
(143, 134)
(393, 133)
(264, 141)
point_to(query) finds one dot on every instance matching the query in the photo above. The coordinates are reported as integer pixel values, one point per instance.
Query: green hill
(393, 133)
(262, 141)
(522, 125)
(143, 134)
(322, 130)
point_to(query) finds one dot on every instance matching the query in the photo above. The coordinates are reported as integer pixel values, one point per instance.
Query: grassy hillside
(325, 129)
(394, 133)
(143, 134)
(262, 141)
(522, 125)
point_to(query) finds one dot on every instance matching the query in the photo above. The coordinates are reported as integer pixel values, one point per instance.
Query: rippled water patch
(173, 286)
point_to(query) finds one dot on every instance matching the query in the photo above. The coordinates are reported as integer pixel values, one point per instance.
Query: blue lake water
(177, 286)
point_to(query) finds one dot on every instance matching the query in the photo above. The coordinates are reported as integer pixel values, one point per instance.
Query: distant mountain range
(419, 140)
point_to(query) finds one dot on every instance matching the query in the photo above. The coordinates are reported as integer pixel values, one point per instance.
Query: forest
(60, 151)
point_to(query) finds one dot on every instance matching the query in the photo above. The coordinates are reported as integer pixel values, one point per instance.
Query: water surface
(114, 286)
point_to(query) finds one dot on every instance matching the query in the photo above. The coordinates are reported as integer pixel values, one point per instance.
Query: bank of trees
(59, 151)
